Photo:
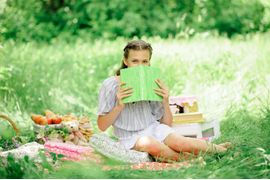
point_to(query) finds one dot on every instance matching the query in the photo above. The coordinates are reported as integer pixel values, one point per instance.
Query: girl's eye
(145, 62)
(135, 61)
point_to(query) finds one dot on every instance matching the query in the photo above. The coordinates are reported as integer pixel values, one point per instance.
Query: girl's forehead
(143, 52)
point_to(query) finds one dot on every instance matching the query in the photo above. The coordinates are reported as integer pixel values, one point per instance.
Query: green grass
(231, 78)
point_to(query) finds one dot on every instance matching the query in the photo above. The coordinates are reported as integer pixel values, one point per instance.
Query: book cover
(196, 117)
(142, 80)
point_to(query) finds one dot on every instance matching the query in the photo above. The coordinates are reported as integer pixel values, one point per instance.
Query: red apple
(57, 120)
(50, 120)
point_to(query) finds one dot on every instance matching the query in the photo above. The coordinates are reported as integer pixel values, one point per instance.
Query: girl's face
(137, 57)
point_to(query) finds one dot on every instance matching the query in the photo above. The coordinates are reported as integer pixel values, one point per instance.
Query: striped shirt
(134, 117)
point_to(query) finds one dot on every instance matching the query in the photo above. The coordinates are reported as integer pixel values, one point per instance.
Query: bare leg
(192, 145)
(159, 150)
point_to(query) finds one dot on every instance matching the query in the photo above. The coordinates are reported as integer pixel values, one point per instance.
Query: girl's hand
(122, 93)
(163, 91)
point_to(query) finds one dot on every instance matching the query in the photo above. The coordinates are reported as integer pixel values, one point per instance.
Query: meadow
(230, 77)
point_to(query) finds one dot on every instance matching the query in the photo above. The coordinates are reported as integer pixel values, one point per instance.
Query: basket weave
(5, 117)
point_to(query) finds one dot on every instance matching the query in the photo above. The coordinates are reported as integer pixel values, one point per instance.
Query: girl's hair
(134, 45)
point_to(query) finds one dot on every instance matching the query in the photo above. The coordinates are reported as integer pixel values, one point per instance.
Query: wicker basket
(5, 117)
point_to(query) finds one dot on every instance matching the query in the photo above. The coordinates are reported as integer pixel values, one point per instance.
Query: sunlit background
(54, 54)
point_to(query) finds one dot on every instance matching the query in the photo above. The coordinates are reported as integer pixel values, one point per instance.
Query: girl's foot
(226, 145)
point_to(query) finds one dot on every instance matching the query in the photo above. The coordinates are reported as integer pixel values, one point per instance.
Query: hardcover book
(196, 117)
(142, 80)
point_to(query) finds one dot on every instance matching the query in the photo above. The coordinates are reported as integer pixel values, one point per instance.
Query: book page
(152, 75)
(131, 78)
(142, 80)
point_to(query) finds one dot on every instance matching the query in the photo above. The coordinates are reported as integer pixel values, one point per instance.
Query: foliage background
(54, 54)
(45, 20)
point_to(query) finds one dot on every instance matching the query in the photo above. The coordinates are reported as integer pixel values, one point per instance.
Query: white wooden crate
(210, 130)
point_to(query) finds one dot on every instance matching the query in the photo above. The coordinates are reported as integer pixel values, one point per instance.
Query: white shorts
(156, 130)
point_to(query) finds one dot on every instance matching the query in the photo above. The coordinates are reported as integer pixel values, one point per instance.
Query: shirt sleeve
(157, 109)
(106, 99)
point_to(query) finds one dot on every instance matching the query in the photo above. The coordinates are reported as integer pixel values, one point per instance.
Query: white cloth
(156, 130)
(30, 149)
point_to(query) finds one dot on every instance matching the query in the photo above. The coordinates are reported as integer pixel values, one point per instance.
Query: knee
(175, 141)
(146, 144)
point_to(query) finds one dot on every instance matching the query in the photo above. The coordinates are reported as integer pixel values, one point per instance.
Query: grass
(231, 78)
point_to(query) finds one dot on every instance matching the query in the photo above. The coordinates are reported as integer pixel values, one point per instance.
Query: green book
(142, 80)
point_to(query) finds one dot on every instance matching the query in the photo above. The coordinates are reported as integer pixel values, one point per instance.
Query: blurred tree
(46, 19)
(233, 17)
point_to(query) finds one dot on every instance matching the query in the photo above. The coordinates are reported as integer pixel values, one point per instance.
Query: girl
(145, 125)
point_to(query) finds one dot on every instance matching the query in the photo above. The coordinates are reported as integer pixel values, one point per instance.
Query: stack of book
(196, 117)
(185, 110)
(187, 120)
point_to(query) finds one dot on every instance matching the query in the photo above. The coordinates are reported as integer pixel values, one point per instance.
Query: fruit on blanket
(52, 117)
(69, 117)
(57, 120)
(49, 114)
(49, 118)
(36, 118)
(50, 121)
(39, 119)
(85, 127)
(80, 128)
(43, 121)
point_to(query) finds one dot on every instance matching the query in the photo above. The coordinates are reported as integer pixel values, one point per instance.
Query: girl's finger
(160, 90)
(125, 89)
(127, 92)
(125, 95)
(158, 82)
(161, 82)
(160, 94)
(122, 83)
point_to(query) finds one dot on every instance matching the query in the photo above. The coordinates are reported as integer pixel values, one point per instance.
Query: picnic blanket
(152, 166)
(72, 152)
(77, 153)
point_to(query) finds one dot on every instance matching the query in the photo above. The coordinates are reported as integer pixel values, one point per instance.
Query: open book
(142, 80)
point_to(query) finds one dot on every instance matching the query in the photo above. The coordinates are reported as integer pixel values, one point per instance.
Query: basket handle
(5, 117)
